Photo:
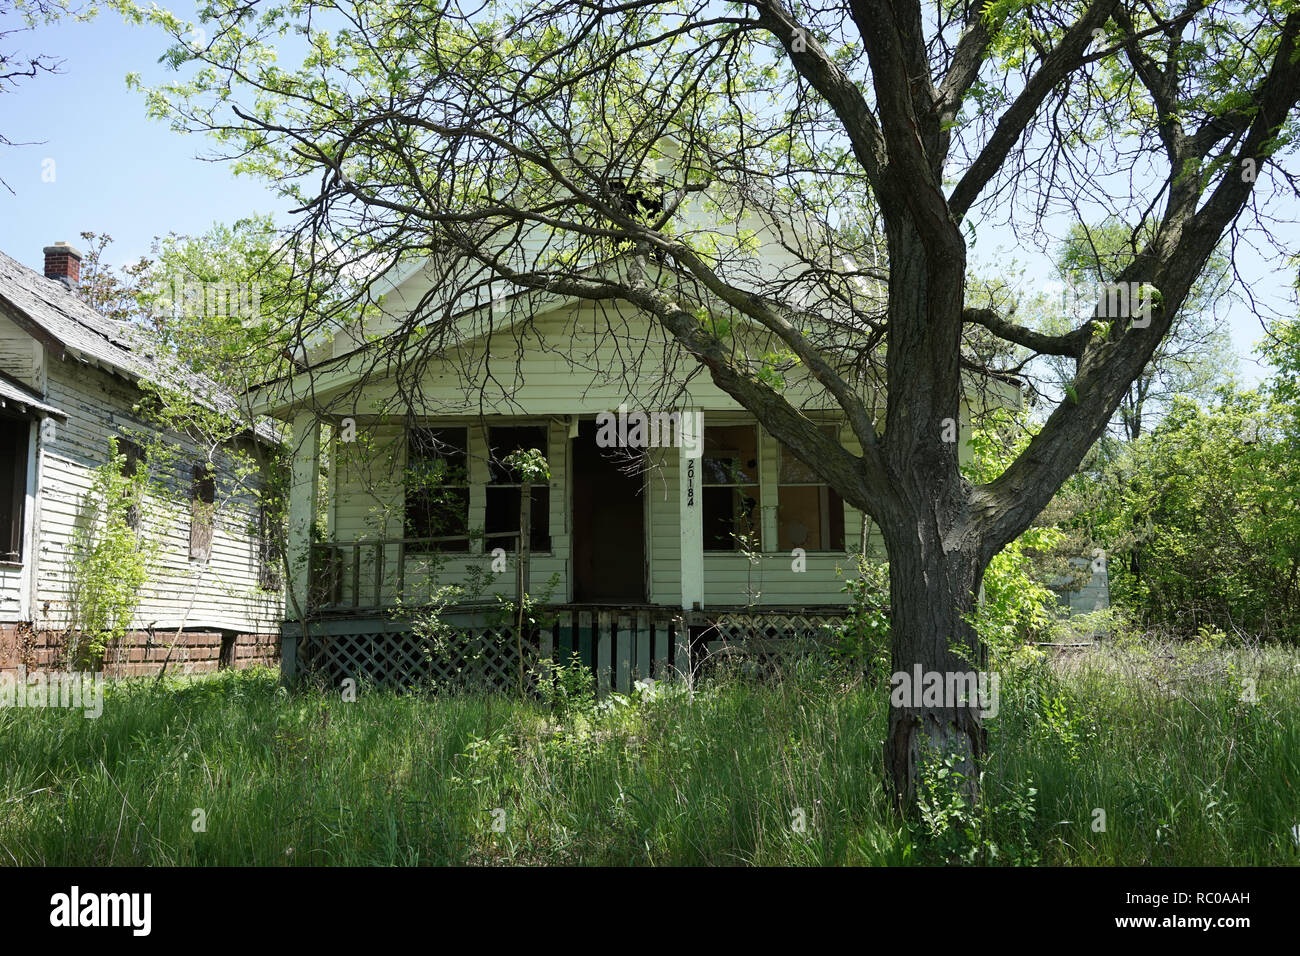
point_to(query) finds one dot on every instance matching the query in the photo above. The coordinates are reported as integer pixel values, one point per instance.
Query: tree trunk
(934, 550)
(932, 594)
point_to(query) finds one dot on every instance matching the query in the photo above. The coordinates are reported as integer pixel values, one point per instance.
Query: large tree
(620, 152)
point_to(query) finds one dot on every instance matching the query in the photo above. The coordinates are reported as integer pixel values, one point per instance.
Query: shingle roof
(61, 316)
(81, 330)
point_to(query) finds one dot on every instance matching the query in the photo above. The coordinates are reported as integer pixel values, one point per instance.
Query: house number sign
(690, 482)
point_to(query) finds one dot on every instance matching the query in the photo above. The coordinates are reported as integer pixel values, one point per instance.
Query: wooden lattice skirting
(621, 646)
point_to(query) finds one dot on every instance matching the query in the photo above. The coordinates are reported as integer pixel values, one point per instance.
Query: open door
(608, 523)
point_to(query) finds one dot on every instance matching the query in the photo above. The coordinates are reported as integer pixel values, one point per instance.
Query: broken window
(203, 497)
(270, 552)
(503, 493)
(437, 489)
(14, 434)
(731, 492)
(133, 456)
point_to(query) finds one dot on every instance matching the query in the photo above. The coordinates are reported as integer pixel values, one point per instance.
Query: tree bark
(936, 553)
(932, 595)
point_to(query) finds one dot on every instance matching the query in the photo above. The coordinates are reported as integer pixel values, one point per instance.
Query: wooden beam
(643, 639)
(623, 671)
(303, 483)
(691, 509)
(604, 651)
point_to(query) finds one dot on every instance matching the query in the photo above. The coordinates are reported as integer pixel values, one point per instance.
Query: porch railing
(370, 574)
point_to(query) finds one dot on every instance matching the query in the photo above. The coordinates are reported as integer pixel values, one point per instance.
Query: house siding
(220, 593)
(11, 589)
(20, 354)
(576, 361)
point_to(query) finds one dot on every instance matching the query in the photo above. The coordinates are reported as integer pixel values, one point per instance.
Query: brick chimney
(63, 262)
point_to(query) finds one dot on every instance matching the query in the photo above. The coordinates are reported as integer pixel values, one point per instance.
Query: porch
(650, 561)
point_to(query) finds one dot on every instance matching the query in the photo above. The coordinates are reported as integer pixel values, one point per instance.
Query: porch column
(691, 508)
(29, 544)
(304, 477)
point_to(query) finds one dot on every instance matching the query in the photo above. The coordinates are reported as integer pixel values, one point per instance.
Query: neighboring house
(1090, 594)
(70, 381)
(639, 551)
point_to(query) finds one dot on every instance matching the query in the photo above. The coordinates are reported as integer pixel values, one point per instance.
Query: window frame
(467, 486)
(493, 482)
(769, 484)
(18, 517)
(133, 455)
(757, 484)
(834, 499)
(270, 548)
(203, 511)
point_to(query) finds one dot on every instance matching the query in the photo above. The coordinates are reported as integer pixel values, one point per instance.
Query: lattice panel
(620, 646)
(764, 645)
(774, 627)
(486, 659)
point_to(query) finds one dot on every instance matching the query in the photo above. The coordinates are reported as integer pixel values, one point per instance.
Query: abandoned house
(669, 524)
(71, 381)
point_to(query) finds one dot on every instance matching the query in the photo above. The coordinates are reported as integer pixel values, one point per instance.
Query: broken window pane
(203, 497)
(502, 504)
(731, 493)
(809, 514)
(437, 489)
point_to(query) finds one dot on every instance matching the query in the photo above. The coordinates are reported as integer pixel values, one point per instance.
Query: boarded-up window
(203, 497)
(13, 486)
(501, 516)
(809, 514)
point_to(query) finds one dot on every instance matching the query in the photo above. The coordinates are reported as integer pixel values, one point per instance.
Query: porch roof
(14, 393)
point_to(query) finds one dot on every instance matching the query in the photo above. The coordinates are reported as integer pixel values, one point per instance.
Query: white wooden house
(70, 380)
(647, 557)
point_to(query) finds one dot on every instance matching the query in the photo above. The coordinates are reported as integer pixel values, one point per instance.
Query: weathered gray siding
(20, 354)
(220, 593)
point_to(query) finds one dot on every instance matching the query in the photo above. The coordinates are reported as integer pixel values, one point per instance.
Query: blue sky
(118, 172)
(115, 170)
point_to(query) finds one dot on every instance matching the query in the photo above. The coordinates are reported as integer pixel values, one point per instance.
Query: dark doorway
(608, 523)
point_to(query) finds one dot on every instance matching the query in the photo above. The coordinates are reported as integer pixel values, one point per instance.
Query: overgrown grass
(1158, 738)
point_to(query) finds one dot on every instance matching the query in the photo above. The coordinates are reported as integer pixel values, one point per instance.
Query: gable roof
(61, 319)
(64, 323)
